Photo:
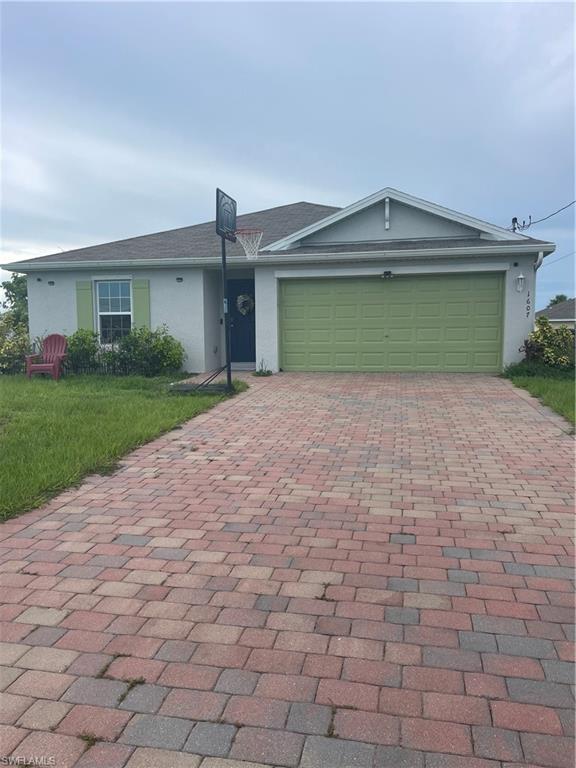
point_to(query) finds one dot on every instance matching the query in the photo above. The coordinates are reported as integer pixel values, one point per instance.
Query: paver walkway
(326, 571)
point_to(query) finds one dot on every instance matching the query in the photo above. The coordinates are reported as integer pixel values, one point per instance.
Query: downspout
(539, 260)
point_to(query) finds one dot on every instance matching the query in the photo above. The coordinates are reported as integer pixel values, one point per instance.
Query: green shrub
(83, 348)
(536, 370)
(550, 346)
(14, 344)
(150, 353)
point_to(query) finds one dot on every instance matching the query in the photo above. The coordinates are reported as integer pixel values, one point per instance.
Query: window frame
(97, 282)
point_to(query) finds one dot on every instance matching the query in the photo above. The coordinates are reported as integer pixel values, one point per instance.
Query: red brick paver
(371, 569)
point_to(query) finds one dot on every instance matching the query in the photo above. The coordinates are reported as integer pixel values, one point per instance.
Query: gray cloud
(120, 119)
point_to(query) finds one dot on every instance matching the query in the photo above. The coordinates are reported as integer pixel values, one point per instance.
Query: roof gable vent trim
(497, 233)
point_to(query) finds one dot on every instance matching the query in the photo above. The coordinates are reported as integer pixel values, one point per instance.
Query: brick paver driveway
(326, 571)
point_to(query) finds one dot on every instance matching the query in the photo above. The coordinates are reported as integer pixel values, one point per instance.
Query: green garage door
(424, 323)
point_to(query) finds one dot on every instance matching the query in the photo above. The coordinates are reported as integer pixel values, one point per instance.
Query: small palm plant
(262, 370)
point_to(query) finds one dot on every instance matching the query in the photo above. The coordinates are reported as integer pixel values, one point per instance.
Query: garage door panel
(371, 311)
(372, 360)
(400, 360)
(400, 335)
(457, 309)
(345, 359)
(319, 312)
(346, 311)
(295, 336)
(372, 335)
(320, 359)
(426, 310)
(346, 336)
(489, 281)
(294, 312)
(484, 361)
(489, 333)
(322, 336)
(427, 335)
(487, 308)
(435, 323)
(428, 360)
(401, 311)
(295, 361)
(458, 334)
(457, 360)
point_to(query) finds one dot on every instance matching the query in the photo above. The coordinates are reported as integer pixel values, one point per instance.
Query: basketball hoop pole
(226, 227)
(226, 318)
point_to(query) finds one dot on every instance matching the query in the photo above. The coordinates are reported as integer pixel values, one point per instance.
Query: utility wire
(554, 214)
(547, 263)
(517, 227)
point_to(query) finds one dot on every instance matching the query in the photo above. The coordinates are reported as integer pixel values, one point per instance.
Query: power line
(555, 212)
(547, 263)
(517, 227)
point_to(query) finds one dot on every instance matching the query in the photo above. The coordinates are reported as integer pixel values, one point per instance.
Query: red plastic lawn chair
(52, 356)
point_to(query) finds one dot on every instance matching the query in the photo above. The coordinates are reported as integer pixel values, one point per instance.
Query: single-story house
(563, 313)
(389, 283)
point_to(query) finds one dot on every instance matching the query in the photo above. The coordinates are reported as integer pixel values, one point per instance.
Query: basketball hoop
(249, 239)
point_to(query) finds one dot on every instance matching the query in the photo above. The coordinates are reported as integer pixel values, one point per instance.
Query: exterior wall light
(520, 282)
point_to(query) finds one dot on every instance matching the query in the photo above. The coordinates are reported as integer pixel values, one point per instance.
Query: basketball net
(250, 240)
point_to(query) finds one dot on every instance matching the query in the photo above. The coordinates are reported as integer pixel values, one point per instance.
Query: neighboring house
(390, 283)
(563, 313)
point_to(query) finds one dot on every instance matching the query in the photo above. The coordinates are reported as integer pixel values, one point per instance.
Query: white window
(114, 302)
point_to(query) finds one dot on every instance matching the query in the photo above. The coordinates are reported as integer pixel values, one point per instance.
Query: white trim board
(101, 278)
(400, 197)
(284, 274)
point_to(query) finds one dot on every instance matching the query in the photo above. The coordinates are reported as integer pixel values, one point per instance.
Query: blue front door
(242, 320)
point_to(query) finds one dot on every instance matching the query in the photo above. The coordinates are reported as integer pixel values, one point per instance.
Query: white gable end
(404, 223)
(414, 218)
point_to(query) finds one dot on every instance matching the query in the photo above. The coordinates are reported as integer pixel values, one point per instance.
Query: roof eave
(492, 250)
(279, 257)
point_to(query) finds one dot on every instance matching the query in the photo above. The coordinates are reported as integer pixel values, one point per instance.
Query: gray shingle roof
(565, 310)
(199, 240)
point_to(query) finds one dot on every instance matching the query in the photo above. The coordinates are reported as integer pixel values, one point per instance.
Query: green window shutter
(141, 308)
(85, 305)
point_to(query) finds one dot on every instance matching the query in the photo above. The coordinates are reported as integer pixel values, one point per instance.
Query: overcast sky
(120, 119)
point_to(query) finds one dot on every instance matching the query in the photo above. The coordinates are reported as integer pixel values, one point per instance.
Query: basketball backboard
(225, 216)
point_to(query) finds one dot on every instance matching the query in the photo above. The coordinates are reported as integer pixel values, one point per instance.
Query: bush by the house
(551, 346)
(14, 344)
(83, 349)
(142, 351)
(150, 352)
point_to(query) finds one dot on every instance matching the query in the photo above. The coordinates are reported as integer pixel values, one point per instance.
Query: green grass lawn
(557, 393)
(54, 433)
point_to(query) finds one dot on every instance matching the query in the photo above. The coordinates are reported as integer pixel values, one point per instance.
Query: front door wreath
(244, 304)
